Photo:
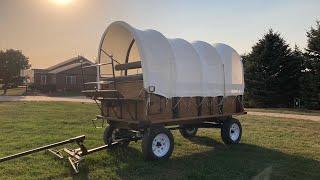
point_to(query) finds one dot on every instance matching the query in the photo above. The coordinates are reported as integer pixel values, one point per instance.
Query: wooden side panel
(131, 89)
(207, 106)
(229, 104)
(130, 110)
(160, 108)
(215, 105)
(128, 89)
(188, 107)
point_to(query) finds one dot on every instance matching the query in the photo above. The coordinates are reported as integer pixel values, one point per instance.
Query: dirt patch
(283, 115)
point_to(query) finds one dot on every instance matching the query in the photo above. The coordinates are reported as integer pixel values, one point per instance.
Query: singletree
(11, 63)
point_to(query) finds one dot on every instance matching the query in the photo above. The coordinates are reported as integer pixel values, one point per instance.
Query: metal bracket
(75, 164)
(74, 155)
(56, 153)
(98, 117)
(74, 158)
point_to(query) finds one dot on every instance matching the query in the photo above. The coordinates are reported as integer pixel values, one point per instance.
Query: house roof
(64, 68)
(60, 65)
(68, 64)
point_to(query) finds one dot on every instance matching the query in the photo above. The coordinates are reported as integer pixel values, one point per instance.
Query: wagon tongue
(78, 139)
(74, 155)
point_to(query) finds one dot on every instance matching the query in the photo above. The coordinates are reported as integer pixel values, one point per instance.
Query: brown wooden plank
(181, 120)
(126, 66)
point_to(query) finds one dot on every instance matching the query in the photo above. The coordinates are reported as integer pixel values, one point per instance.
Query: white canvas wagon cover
(175, 67)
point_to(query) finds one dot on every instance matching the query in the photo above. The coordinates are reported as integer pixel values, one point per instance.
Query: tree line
(279, 76)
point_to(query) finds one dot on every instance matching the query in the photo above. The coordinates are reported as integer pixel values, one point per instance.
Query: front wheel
(157, 144)
(231, 131)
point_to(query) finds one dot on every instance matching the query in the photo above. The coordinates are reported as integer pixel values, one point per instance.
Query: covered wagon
(149, 84)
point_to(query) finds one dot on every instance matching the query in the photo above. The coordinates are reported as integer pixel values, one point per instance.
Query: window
(71, 80)
(43, 79)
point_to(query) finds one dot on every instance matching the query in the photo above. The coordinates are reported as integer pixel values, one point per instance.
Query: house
(68, 75)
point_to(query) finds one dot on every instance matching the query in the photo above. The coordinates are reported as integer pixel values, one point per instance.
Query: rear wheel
(231, 131)
(157, 144)
(112, 134)
(188, 131)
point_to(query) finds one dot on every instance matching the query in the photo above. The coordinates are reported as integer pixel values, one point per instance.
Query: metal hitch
(74, 155)
(78, 139)
(99, 118)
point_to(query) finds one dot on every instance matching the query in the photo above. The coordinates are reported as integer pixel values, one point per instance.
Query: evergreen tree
(291, 75)
(311, 91)
(272, 72)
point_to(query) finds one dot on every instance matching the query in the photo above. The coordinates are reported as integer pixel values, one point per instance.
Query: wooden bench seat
(126, 66)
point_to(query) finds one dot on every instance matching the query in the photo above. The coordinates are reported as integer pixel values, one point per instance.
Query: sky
(48, 32)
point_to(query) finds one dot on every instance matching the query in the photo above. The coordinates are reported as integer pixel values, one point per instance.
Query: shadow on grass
(242, 161)
(206, 141)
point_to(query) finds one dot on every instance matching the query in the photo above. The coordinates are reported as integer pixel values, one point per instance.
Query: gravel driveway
(284, 115)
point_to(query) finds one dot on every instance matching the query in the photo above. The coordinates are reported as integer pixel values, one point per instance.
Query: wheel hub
(234, 132)
(190, 130)
(160, 145)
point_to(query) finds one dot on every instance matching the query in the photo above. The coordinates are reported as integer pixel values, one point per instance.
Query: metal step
(102, 93)
(99, 82)
(134, 77)
(121, 99)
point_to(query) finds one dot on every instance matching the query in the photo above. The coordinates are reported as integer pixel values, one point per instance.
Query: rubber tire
(147, 140)
(225, 129)
(185, 133)
(107, 136)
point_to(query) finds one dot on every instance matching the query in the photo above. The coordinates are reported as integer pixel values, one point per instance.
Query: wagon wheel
(231, 131)
(112, 134)
(157, 144)
(188, 131)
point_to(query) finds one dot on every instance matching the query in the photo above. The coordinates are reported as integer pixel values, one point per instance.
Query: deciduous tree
(11, 63)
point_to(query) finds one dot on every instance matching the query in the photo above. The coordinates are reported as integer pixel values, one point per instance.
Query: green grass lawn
(286, 111)
(19, 91)
(290, 149)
